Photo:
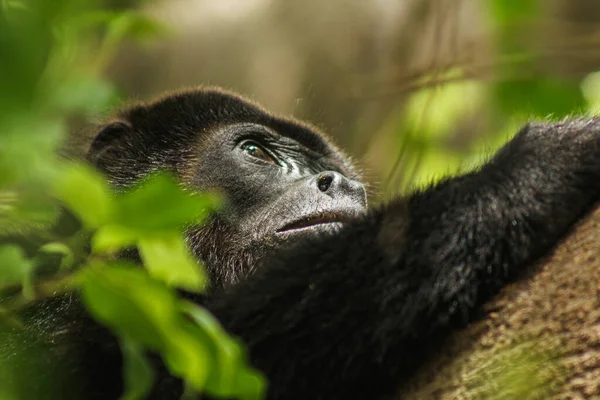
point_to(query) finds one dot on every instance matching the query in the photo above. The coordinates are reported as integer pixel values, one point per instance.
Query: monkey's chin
(324, 228)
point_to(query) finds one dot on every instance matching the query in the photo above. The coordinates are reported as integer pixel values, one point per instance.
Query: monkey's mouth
(329, 221)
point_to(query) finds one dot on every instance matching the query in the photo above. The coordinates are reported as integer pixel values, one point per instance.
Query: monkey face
(282, 181)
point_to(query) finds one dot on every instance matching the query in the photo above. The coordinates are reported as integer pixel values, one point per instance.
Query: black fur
(353, 313)
(359, 315)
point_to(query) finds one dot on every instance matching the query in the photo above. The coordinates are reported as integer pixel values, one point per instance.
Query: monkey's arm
(351, 316)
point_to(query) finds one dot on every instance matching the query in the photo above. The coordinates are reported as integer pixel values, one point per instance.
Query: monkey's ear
(107, 139)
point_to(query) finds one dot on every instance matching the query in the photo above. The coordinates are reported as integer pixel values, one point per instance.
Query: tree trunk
(539, 339)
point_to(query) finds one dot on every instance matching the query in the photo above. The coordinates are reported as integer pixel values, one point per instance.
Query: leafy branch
(53, 54)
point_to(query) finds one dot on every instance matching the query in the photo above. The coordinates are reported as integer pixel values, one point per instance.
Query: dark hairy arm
(354, 315)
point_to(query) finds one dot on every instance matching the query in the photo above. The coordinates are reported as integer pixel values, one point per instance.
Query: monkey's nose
(339, 187)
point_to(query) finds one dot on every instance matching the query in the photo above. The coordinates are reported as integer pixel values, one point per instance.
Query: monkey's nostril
(324, 182)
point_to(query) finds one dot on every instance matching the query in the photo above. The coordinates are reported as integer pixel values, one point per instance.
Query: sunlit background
(413, 89)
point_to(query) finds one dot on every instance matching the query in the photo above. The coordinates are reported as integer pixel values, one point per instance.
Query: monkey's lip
(326, 220)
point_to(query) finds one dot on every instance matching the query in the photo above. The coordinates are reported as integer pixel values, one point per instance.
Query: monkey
(333, 299)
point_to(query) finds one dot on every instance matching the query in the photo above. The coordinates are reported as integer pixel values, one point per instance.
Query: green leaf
(138, 373)
(130, 303)
(167, 259)
(226, 351)
(232, 376)
(62, 249)
(14, 267)
(160, 204)
(250, 385)
(187, 355)
(140, 308)
(86, 193)
(112, 238)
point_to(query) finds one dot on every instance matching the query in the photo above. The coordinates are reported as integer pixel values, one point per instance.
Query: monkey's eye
(255, 150)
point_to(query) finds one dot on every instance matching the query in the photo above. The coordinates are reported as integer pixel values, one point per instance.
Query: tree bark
(539, 339)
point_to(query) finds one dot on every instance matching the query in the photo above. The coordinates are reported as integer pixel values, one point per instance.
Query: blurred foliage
(519, 91)
(435, 118)
(53, 53)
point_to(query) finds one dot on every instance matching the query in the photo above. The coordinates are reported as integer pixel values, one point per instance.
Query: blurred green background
(412, 89)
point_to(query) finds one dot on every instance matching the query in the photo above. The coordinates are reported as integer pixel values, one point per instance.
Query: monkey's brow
(251, 129)
(301, 133)
(299, 148)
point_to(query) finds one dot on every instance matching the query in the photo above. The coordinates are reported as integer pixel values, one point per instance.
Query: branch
(540, 338)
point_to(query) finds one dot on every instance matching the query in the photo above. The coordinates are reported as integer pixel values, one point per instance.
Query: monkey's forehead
(189, 113)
